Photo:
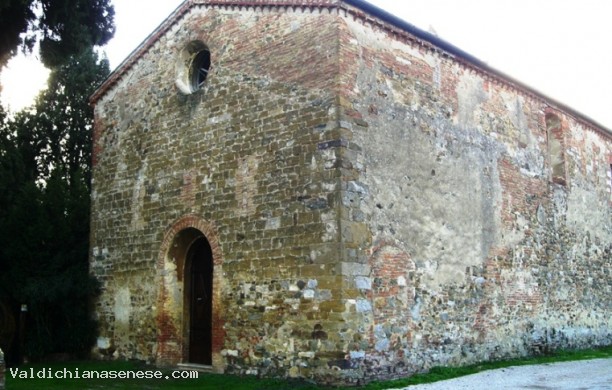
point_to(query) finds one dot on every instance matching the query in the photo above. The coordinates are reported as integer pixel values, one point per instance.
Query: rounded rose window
(192, 67)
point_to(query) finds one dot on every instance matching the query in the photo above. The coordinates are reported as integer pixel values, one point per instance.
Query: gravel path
(579, 375)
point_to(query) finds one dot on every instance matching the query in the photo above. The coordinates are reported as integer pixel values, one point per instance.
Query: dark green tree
(45, 170)
(62, 27)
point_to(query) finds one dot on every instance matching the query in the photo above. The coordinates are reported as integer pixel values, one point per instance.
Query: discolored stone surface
(374, 205)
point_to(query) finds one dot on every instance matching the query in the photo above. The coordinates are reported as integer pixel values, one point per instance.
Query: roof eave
(131, 59)
(369, 9)
(467, 58)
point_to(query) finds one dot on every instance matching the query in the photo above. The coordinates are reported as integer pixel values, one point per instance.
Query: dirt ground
(579, 375)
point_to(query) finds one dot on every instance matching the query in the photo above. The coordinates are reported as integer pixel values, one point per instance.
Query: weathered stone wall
(475, 249)
(249, 162)
(374, 207)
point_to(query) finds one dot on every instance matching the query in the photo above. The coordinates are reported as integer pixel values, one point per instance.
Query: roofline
(423, 37)
(470, 60)
(142, 48)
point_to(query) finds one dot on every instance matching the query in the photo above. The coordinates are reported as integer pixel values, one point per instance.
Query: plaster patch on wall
(122, 306)
(470, 95)
(174, 293)
(581, 216)
(520, 288)
(246, 184)
(331, 226)
(138, 194)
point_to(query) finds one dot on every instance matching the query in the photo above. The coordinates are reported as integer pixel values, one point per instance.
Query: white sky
(561, 48)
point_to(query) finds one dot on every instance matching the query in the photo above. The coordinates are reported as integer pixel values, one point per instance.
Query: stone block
(2, 371)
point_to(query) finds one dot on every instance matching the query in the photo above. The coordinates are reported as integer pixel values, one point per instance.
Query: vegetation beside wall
(45, 180)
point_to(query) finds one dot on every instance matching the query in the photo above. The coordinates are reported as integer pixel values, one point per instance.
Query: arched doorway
(189, 312)
(198, 301)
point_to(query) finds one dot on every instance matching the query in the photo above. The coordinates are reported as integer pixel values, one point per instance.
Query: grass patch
(216, 381)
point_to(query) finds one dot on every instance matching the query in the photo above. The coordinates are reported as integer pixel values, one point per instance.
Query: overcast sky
(559, 47)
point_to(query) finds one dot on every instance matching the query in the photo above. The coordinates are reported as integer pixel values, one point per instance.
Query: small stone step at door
(194, 367)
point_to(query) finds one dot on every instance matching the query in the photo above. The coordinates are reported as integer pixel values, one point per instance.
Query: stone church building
(317, 189)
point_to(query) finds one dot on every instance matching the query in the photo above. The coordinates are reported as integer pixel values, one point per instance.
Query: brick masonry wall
(250, 163)
(487, 255)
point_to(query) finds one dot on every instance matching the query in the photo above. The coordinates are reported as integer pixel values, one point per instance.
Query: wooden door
(200, 305)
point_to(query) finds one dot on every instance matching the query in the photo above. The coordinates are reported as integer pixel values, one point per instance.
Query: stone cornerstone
(316, 189)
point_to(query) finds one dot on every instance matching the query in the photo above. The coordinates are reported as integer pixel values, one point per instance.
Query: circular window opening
(192, 67)
(199, 69)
